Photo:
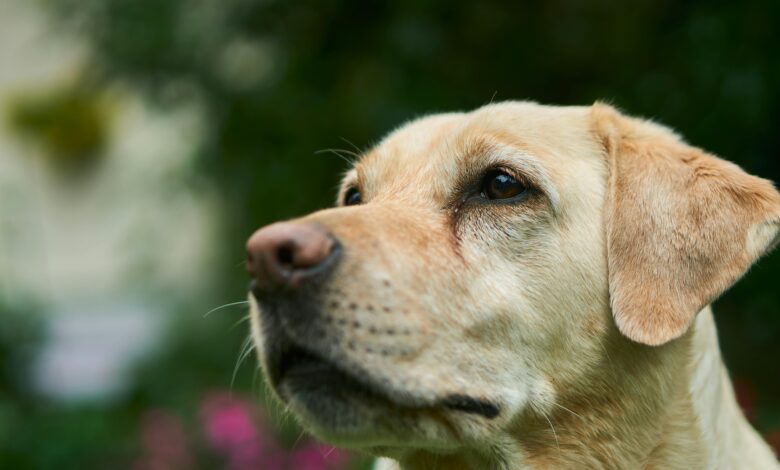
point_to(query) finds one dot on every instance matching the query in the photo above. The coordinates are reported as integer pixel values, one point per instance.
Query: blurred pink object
(230, 428)
(317, 456)
(164, 443)
(237, 430)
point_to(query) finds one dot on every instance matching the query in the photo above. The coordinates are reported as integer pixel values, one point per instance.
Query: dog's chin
(338, 404)
(343, 416)
(333, 404)
(344, 408)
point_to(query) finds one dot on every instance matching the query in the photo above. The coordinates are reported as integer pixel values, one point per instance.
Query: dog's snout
(285, 254)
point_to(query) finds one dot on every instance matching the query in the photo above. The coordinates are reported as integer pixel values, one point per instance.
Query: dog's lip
(294, 363)
(297, 366)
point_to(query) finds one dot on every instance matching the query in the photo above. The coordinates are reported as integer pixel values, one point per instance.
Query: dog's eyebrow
(481, 154)
(350, 176)
(532, 169)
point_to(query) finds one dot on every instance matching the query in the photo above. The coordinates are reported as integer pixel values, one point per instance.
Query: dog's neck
(652, 408)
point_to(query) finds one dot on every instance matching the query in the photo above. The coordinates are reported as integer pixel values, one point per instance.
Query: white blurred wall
(106, 254)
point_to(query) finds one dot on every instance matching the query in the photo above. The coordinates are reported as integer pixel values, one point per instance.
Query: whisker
(348, 156)
(241, 320)
(298, 439)
(357, 150)
(243, 302)
(246, 349)
(570, 411)
(557, 444)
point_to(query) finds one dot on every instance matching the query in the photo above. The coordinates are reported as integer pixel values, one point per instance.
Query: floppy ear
(681, 225)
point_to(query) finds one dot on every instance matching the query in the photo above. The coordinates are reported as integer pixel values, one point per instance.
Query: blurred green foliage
(281, 80)
(72, 124)
(352, 70)
(355, 69)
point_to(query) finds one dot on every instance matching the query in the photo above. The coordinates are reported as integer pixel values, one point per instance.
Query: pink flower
(236, 430)
(163, 442)
(318, 456)
(229, 424)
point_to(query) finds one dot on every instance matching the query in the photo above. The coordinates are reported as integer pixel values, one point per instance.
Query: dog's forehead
(409, 157)
(423, 158)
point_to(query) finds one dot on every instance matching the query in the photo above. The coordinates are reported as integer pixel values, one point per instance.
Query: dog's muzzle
(308, 349)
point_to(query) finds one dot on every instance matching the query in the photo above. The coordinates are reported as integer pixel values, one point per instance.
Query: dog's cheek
(542, 306)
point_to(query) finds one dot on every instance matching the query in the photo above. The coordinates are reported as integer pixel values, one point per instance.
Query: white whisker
(348, 156)
(298, 439)
(570, 411)
(555, 434)
(243, 302)
(241, 320)
(357, 150)
(246, 349)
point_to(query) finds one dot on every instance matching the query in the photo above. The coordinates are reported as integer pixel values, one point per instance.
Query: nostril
(285, 255)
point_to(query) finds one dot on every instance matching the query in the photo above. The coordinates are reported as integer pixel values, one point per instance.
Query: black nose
(285, 255)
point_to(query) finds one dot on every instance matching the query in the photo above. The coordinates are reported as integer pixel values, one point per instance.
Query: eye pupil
(500, 185)
(352, 197)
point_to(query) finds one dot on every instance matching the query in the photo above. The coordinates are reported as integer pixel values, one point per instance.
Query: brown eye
(352, 197)
(500, 185)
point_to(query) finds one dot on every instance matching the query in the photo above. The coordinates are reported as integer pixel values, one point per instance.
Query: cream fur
(514, 303)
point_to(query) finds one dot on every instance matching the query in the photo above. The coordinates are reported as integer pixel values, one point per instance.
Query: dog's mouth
(297, 367)
(295, 370)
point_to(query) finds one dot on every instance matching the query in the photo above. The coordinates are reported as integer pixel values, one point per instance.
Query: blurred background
(142, 141)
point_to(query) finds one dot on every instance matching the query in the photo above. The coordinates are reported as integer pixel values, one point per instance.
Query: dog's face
(475, 267)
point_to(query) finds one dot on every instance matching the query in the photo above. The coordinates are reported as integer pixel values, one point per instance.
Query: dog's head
(476, 265)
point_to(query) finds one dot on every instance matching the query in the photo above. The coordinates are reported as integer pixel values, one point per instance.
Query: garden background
(142, 141)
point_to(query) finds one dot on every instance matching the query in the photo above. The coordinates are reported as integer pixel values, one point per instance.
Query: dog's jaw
(354, 405)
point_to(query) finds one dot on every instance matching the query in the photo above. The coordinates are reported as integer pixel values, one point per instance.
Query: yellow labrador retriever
(522, 286)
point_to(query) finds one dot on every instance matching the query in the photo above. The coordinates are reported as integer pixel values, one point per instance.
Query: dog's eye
(500, 185)
(352, 197)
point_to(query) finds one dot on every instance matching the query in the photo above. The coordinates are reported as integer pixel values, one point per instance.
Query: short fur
(571, 310)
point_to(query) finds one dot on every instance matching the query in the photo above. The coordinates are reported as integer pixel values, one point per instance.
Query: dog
(521, 286)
